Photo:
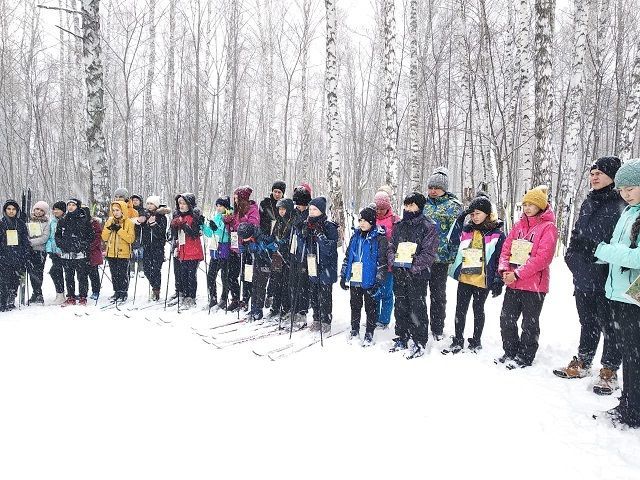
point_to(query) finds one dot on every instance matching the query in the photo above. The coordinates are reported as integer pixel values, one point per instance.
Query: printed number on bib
(312, 266)
(248, 273)
(520, 251)
(234, 239)
(356, 272)
(471, 261)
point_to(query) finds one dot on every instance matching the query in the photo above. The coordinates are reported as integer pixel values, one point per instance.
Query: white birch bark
(149, 160)
(413, 97)
(390, 106)
(630, 122)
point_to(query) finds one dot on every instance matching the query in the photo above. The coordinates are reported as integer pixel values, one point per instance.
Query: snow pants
(9, 283)
(627, 315)
(119, 268)
(79, 267)
(385, 304)
(438, 296)
(280, 290)
(35, 268)
(57, 272)
(596, 316)
(359, 296)
(321, 300)
(529, 305)
(189, 277)
(412, 317)
(259, 286)
(152, 266)
(465, 294)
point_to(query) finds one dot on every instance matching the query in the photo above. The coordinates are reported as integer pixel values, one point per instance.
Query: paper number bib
(520, 251)
(248, 273)
(356, 272)
(35, 229)
(312, 266)
(234, 240)
(405, 253)
(12, 238)
(182, 238)
(471, 261)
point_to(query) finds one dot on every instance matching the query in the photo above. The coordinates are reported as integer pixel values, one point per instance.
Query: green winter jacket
(221, 232)
(444, 211)
(618, 254)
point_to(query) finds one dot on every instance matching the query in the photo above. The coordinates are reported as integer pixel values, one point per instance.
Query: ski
(304, 346)
(236, 341)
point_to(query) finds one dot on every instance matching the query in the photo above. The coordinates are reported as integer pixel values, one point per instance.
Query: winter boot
(382, 326)
(457, 344)
(253, 316)
(82, 301)
(94, 296)
(575, 369)
(326, 328)
(36, 299)
(607, 383)
(354, 335)
(503, 359)
(517, 362)
(175, 299)
(233, 306)
(437, 336)
(474, 345)
(315, 326)
(416, 351)
(398, 344)
(60, 298)
(155, 294)
(213, 302)
(300, 320)
(273, 314)
(367, 341)
(70, 301)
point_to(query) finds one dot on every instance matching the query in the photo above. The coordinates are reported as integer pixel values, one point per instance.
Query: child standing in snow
(386, 219)
(219, 252)
(119, 233)
(411, 253)
(153, 231)
(260, 247)
(95, 258)
(524, 265)
(38, 228)
(56, 271)
(623, 258)
(475, 267)
(365, 268)
(14, 253)
(281, 260)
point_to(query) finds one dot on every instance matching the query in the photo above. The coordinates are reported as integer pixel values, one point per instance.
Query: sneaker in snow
(233, 306)
(382, 326)
(253, 316)
(503, 359)
(60, 299)
(69, 302)
(398, 344)
(315, 326)
(213, 302)
(575, 369)
(607, 382)
(36, 299)
(367, 341)
(94, 296)
(355, 334)
(474, 345)
(517, 362)
(300, 320)
(456, 346)
(416, 351)
(437, 336)
(82, 301)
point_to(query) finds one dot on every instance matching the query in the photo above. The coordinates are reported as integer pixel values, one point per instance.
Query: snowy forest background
(206, 95)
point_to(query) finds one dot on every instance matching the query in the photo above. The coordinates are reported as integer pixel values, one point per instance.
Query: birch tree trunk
(630, 122)
(331, 85)
(572, 155)
(390, 106)
(306, 121)
(545, 19)
(99, 193)
(150, 165)
(413, 97)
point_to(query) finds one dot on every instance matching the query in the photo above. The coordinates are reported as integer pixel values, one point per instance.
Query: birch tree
(413, 96)
(630, 122)
(390, 106)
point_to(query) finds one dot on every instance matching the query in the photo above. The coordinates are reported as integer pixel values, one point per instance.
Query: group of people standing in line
(282, 254)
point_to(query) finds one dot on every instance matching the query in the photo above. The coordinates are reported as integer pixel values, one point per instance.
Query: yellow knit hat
(538, 196)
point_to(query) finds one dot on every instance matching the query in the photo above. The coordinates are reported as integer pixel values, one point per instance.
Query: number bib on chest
(471, 261)
(35, 229)
(234, 240)
(182, 238)
(12, 238)
(248, 273)
(356, 272)
(520, 251)
(312, 265)
(405, 253)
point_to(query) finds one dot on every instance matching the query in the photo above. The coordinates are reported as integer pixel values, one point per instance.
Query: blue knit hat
(629, 174)
(320, 203)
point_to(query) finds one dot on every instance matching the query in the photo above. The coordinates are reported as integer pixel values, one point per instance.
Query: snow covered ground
(110, 397)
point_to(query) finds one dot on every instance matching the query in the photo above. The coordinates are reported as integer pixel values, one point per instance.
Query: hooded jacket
(95, 250)
(153, 235)
(74, 234)
(14, 256)
(39, 242)
(371, 250)
(534, 275)
(421, 231)
(188, 222)
(252, 216)
(618, 253)
(119, 243)
(321, 240)
(443, 211)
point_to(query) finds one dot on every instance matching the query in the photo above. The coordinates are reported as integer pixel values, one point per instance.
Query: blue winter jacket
(221, 233)
(371, 250)
(322, 241)
(617, 253)
(262, 248)
(596, 221)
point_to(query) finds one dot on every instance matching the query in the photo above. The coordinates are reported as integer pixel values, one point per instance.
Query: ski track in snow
(110, 397)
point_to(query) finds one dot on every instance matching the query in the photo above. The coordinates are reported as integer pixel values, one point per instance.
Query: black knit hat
(279, 185)
(368, 214)
(12, 203)
(246, 230)
(320, 203)
(301, 196)
(417, 198)
(77, 202)
(136, 196)
(607, 165)
(60, 206)
(224, 202)
(482, 203)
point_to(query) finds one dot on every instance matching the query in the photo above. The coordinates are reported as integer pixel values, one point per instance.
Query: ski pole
(135, 283)
(166, 295)
(241, 279)
(319, 291)
(104, 267)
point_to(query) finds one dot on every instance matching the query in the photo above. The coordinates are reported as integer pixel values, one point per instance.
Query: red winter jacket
(534, 275)
(95, 250)
(192, 249)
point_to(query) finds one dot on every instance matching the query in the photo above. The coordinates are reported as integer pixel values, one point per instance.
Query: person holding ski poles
(56, 271)
(219, 250)
(119, 233)
(153, 228)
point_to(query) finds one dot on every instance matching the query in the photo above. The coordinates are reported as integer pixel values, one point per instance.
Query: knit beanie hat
(60, 206)
(154, 200)
(417, 198)
(246, 230)
(538, 196)
(301, 196)
(320, 203)
(121, 192)
(285, 203)
(224, 202)
(607, 165)
(13, 203)
(136, 196)
(279, 185)
(439, 179)
(75, 201)
(382, 200)
(482, 203)
(307, 187)
(629, 174)
(369, 215)
(386, 189)
(244, 192)
(44, 206)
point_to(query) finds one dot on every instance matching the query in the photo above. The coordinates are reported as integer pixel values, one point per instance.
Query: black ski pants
(152, 266)
(529, 305)
(94, 278)
(438, 296)
(189, 277)
(9, 283)
(35, 268)
(79, 267)
(119, 268)
(359, 296)
(259, 286)
(57, 272)
(465, 293)
(410, 309)
(627, 315)
(321, 299)
(281, 293)
(596, 316)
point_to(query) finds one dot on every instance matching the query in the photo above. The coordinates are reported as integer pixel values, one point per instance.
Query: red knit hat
(383, 202)
(243, 192)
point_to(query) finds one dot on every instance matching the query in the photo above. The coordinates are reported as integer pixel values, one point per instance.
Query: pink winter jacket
(387, 221)
(533, 276)
(252, 216)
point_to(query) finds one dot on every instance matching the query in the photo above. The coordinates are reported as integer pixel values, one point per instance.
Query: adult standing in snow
(596, 221)
(268, 216)
(74, 236)
(386, 219)
(119, 233)
(56, 271)
(153, 228)
(299, 283)
(443, 208)
(623, 256)
(14, 253)
(38, 228)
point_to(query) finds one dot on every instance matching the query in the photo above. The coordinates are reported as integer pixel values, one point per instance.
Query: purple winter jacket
(422, 231)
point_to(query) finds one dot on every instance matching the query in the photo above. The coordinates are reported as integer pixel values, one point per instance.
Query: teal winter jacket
(618, 254)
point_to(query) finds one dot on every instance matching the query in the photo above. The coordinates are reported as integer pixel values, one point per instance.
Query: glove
(212, 225)
(177, 223)
(152, 220)
(496, 291)
(114, 227)
(322, 236)
(343, 284)
(227, 219)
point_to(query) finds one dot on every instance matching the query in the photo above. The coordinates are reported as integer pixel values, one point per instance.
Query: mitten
(343, 284)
